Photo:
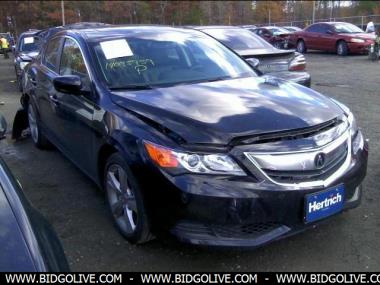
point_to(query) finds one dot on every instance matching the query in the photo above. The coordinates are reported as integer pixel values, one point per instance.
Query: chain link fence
(360, 21)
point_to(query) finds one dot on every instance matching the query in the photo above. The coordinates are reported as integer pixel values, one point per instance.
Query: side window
(323, 29)
(52, 54)
(313, 29)
(72, 62)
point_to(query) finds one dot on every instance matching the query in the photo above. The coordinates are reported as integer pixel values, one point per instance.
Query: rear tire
(125, 201)
(341, 48)
(301, 47)
(38, 137)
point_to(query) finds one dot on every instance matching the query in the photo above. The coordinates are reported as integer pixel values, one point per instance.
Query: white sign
(116, 48)
(28, 40)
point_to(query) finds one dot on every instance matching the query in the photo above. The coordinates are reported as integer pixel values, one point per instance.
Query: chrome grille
(335, 160)
(300, 167)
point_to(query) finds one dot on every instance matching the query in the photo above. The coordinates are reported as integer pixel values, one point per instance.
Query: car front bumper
(238, 211)
(358, 47)
(299, 77)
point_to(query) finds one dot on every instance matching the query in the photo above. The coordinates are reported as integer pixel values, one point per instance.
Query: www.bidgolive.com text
(187, 278)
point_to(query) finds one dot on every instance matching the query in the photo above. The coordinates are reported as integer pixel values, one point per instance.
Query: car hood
(217, 112)
(28, 56)
(365, 36)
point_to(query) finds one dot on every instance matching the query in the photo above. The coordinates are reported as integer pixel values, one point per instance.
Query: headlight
(353, 124)
(357, 40)
(350, 117)
(23, 64)
(180, 161)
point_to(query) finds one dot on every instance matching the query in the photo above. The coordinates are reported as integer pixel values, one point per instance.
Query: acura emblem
(319, 160)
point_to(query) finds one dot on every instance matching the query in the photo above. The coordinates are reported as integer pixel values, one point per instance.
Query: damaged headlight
(180, 161)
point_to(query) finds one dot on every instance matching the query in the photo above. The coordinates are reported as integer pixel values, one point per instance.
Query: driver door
(76, 111)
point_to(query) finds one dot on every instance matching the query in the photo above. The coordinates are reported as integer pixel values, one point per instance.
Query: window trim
(80, 50)
(86, 63)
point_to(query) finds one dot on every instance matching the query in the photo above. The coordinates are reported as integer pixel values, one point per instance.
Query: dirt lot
(71, 202)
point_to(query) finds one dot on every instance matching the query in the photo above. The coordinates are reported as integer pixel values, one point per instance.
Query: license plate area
(322, 204)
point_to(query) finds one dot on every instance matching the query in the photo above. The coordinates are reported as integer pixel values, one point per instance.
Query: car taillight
(298, 63)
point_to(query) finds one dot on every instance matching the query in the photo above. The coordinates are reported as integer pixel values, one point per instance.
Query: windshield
(347, 28)
(28, 44)
(238, 39)
(165, 59)
(278, 31)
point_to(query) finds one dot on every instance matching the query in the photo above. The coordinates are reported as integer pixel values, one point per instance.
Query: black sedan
(26, 49)
(27, 240)
(285, 64)
(184, 137)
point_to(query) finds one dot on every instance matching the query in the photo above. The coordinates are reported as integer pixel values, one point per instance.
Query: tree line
(18, 16)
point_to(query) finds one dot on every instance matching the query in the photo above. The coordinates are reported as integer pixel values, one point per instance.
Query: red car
(339, 37)
(276, 36)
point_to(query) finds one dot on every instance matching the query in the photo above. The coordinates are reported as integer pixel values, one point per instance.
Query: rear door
(42, 80)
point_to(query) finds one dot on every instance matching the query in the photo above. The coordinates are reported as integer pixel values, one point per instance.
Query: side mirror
(3, 127)
(330, 32)
(70, 84)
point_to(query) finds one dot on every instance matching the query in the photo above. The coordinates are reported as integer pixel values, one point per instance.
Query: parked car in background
(26, 49)
(285, 64)
(27, 240)
(248, 26)
(186, 138)
(292, 28)
(342, 38)
(276, 36)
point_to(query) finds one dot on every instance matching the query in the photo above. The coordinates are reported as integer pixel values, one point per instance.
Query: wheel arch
(112, 145)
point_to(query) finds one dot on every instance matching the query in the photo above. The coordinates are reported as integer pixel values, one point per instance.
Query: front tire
(125, 201)
(35, 131)
(342, 48)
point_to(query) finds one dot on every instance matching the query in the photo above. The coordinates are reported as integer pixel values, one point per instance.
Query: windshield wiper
(218, 78)
(132, 87)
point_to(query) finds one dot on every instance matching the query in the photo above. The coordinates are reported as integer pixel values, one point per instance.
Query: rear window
(238, 39)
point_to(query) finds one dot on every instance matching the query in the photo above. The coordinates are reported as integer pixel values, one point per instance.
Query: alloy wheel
(300, 46)
(33, 124)
(340, 49)
(121, 199)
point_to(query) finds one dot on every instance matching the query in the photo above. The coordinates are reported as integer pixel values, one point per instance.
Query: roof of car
(103, 32)
(215, 27)
(272, 27)
(30, 32)
(331, 23)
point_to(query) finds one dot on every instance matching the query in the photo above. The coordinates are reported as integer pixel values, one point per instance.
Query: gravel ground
(76, 208)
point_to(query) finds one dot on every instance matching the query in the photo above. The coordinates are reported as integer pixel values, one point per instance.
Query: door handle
(54, 99)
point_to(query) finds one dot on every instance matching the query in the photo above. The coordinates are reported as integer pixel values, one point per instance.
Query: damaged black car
(185, 138)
